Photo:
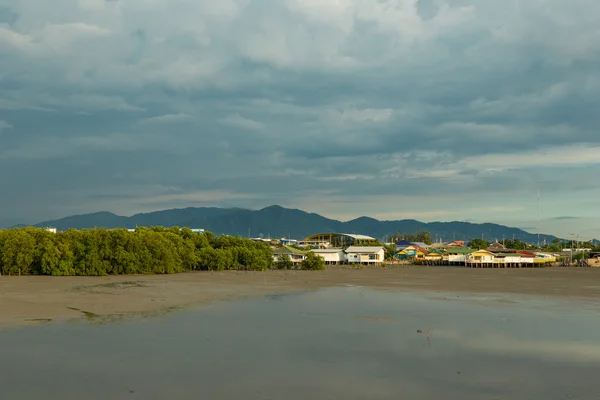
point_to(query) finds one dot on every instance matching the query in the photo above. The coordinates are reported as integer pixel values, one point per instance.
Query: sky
(436, 110)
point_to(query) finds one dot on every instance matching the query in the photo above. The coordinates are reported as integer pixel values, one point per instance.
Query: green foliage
(390, 250)
(479, 244)
(553, 248)
(517, 244)
(117, 251)
(421, 236)
(313, 262)
(284, 262)
(18, 251)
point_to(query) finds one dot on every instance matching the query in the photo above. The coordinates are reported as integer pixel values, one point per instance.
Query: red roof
(422, 250)
(526, 253)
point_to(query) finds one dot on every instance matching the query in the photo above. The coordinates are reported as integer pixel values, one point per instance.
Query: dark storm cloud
(126, 106)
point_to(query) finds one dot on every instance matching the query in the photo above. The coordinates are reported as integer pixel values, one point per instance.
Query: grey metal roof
(421, 244)
(288, 250)
(355, 236)
(352, 235)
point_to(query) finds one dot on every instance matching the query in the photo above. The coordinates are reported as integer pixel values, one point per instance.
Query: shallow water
(344, 343)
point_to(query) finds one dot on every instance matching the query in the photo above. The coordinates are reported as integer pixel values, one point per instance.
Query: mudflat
(29, 300)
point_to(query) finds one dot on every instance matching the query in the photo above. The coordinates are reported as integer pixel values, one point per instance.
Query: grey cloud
(298, 102)
(4, 126)
(8, 16)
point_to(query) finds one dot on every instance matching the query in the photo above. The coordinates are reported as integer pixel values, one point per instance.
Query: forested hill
(276, 221)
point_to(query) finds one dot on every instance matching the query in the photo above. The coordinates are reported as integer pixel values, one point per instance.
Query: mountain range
(276, 221)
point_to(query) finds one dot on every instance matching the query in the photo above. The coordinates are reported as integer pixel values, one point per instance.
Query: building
(421, 245)
(434, 257)
(508, 259)
(315, 244)
(367, 255)
(262, 240)
(497, 248)
(411, 253)
(331, 256)
(527, 257)
(457, 255)
(542, 258)
(338, 240)
(437, 245)
(480, 258)
(402, 244)
(297, 256)
(53, 230)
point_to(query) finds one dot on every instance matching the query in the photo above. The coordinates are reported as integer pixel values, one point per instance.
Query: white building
(322, 244)
(53, 230)
(510, 258)
(544, 257)
(480, 257)
(331, 256)
(365, 254)
(297, 256)
(457, 255)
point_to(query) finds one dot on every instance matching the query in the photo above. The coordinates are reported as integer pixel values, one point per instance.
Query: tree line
(154, 250)
(421, 236)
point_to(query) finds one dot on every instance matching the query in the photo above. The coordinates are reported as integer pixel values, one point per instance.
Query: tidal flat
(342, 341)
(35, 300)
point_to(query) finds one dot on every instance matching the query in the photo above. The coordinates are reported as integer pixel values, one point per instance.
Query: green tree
(154, 250)
(478, 244)
(313, 262)
(50, 258)
(420, 236)
(216, 259)
(389, 250)
(516, 244)
(18, 252)
(553, 248)
(284, 262)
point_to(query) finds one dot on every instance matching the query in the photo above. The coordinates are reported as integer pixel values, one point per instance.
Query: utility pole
(572, 239)
(538, 218)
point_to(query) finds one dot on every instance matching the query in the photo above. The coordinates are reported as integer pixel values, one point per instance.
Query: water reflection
(346, 343)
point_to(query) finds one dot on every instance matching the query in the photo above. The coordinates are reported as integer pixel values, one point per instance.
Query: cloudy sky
(427, 109)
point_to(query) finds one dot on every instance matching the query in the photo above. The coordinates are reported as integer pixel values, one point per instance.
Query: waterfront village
(357, 249)
(343, 248)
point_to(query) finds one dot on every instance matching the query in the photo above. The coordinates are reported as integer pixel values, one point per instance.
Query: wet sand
(31, 300)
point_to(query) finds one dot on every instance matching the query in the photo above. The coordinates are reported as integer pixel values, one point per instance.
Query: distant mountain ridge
(276, 221)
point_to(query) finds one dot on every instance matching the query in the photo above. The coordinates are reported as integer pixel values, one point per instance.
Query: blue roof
(403, 243)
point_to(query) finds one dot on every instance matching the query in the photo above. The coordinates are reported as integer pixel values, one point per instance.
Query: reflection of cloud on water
(573, 352)
(503, 345)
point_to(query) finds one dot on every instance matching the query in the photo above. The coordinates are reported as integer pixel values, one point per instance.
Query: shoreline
(35, 300)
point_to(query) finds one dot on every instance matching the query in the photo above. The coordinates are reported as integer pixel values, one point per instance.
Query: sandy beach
(32, 300)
